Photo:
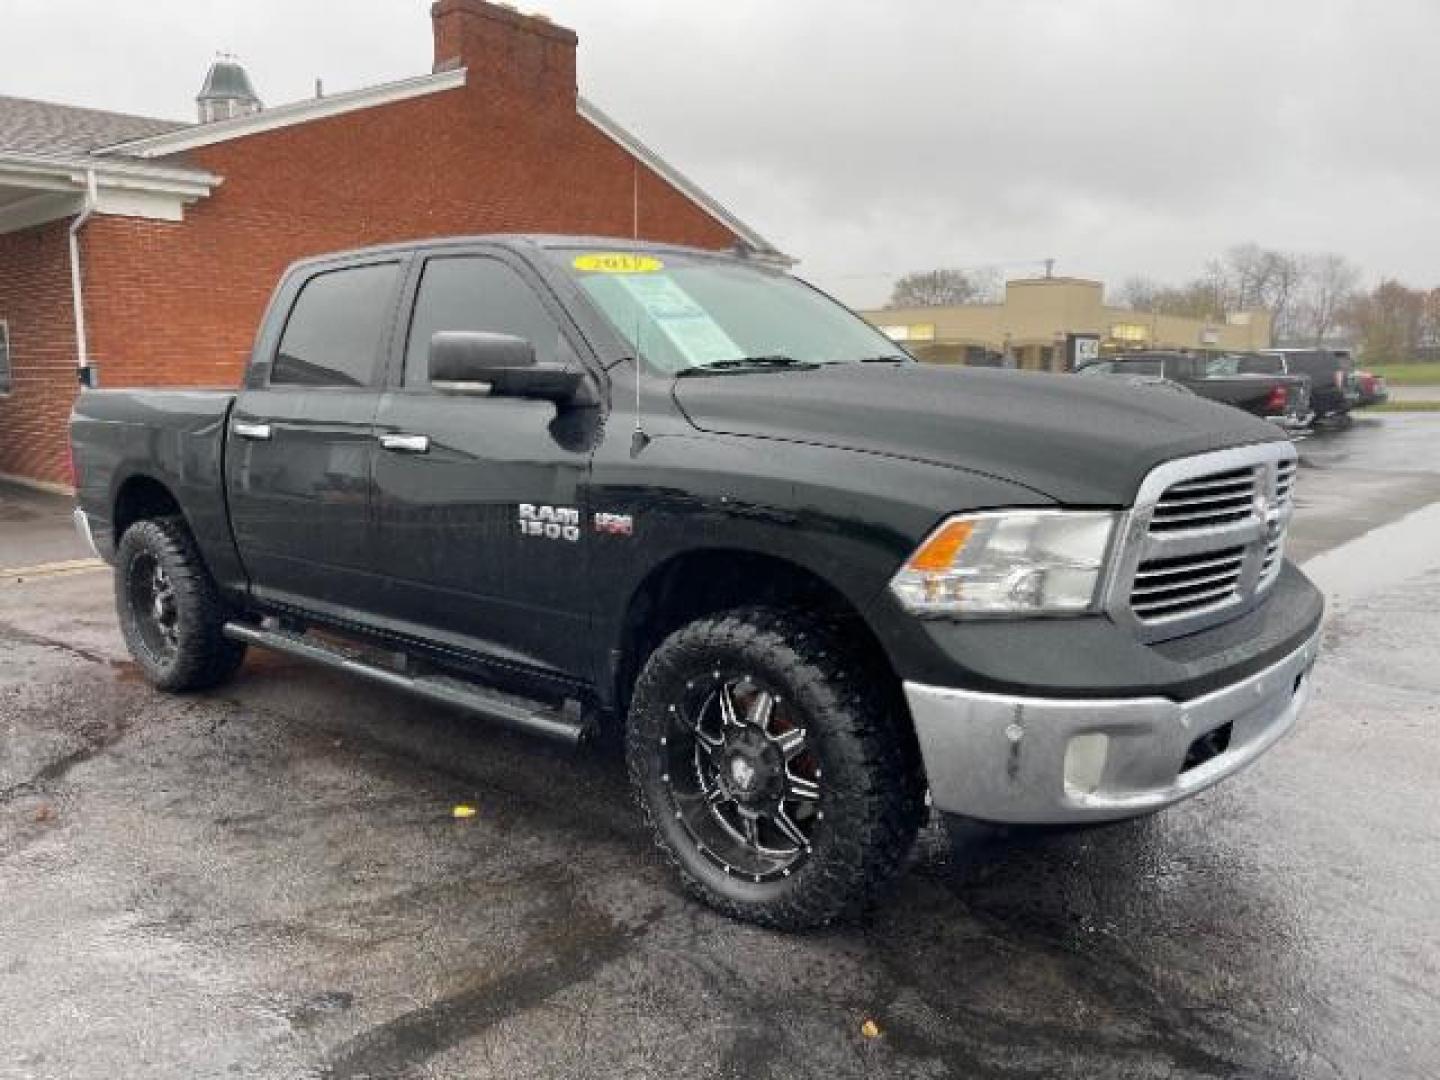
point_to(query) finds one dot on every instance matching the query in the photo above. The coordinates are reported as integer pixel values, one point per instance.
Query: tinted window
(1316, 364)
(333, 335)
(476, 293)
(1219, 367)
(1262, 365)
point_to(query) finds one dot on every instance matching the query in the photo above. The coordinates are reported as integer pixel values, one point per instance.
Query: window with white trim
(4, 357)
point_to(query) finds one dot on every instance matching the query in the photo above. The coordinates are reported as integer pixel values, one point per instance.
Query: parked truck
(587, 487)
(1334, 387)
(1278, 396)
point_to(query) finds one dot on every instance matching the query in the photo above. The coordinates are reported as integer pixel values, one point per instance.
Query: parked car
(580, 486)
(1373, 390)
(1334, 390)
(1284, 399)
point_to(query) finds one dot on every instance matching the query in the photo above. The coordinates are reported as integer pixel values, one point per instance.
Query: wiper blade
(892, 358)
(744, 363)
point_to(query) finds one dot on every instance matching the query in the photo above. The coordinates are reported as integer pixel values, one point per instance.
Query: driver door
(455, 476)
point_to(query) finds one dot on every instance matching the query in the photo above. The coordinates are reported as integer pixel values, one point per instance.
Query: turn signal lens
(944, 544)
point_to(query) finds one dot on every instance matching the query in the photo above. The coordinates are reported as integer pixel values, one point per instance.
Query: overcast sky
(1117, 136)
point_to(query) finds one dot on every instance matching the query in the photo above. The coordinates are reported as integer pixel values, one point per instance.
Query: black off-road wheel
(171, 613)
(773, 763)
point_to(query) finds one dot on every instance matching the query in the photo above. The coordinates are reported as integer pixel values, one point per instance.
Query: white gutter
(62, 172)
(92, 196)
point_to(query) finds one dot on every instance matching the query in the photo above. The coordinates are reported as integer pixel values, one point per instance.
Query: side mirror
(500, 365)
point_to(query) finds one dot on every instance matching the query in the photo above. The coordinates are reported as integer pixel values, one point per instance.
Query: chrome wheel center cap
(742, 773)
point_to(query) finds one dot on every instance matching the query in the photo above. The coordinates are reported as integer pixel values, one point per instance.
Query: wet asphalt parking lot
(267, 881)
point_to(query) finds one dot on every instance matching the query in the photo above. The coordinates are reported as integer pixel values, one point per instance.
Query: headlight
(1020, 562)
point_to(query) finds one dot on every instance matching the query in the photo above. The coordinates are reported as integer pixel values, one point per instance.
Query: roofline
(518, 240)
(300, 112)
(282, 116)
(698, 195)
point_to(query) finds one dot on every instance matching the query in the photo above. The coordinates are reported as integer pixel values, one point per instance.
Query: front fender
(847, 517)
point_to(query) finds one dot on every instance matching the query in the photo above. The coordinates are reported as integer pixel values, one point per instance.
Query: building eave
(55, 187)
(69, 172)
(761, 247)
(283, 116)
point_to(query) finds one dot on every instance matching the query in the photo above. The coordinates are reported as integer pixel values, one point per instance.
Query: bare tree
(1139, 293)
(1430, 331)
(1327, 289)
(936, 288)
(1250, 277)
(1199, 298)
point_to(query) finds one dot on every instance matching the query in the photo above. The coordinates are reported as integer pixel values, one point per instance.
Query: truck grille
(1205, 540)
(1275, 545)
(1166, 587)
(1206, 502)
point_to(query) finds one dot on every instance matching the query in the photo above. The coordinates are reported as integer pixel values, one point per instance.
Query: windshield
(684, 312)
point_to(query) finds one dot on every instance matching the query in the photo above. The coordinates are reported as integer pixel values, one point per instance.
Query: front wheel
(774, 766)
(171, 613)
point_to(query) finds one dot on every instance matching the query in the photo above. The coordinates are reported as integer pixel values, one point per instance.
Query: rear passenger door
(301, 444)
(454, 471)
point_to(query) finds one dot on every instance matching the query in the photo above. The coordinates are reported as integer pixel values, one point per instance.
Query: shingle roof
(38, 127)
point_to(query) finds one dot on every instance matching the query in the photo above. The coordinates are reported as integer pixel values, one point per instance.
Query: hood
(1082, 442)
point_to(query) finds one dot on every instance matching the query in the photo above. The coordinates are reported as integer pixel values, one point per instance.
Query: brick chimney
(505, 52)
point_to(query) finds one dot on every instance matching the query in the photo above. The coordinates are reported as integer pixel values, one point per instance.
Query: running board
(566, 724)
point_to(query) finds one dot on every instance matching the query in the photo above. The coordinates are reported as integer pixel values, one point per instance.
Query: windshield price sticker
(617, 262)
(698, 337)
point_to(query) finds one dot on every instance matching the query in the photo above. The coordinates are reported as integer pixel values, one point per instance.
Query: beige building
(1044, 323)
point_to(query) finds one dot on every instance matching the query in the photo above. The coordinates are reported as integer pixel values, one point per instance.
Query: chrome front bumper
(1058, 761)
(82, 526)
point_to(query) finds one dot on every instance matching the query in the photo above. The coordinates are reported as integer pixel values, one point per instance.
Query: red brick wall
(178, 303)
(35, 301)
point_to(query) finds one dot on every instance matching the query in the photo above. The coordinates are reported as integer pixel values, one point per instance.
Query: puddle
(1381, 558)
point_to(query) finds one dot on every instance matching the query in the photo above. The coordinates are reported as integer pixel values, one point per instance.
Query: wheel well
(691, 586)
(142, 498)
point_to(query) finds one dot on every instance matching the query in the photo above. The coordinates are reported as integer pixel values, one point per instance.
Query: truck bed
(1252, 392)
(174, 436)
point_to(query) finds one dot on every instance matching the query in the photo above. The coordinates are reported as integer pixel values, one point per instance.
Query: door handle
(406, 444)
(247, 430)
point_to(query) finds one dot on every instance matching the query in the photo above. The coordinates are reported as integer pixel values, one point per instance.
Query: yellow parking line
(71, 566)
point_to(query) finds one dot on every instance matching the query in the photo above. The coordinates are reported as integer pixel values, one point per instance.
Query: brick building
(149, 248)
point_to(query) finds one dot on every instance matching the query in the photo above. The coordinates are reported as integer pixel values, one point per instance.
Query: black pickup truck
(582, 486)
(1277, 396)
(1334, 384)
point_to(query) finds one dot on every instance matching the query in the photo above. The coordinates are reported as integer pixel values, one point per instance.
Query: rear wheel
(171, 613)
(773, 767)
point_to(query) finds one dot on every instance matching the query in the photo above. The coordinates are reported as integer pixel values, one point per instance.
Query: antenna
(639, 440)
